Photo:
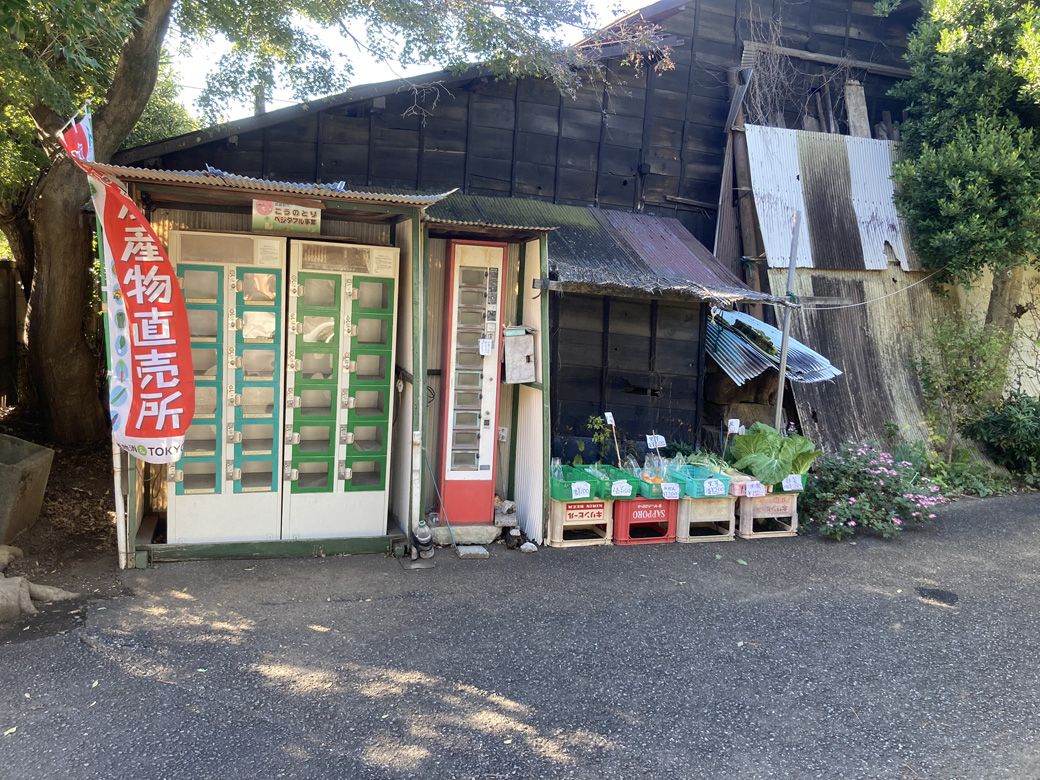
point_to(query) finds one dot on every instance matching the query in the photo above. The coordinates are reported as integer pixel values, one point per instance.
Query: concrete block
(465, 534)
(24, 469)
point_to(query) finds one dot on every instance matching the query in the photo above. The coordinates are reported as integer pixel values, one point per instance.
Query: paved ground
(814, 659)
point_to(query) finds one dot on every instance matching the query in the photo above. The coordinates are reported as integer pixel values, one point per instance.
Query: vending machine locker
(226, 485)
(339, 389)
(473, 330)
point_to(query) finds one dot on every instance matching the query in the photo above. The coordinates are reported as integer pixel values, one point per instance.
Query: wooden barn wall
(635, 358)
(632, 141)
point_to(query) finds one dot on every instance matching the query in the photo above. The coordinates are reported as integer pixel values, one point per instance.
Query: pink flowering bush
(863, 488)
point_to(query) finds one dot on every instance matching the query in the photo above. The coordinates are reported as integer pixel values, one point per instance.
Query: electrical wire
(872, 300)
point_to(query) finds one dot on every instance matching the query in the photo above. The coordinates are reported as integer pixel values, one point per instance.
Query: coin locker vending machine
(294, 373)
(339, 389)
(226, 485)
(472, 356)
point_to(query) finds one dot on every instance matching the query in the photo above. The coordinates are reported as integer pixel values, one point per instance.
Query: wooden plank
(580, 124)
(536, 148)
(537, 118)
(578, 154)
(534, 180)
(492, 113)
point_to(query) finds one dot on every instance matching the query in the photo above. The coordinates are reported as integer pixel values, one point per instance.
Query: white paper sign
(655, 441)
(793, 482)
(714, 487)
(733, 425)
(621, 488)
(486, 346)
(754, 489)
(609, 416)
(580, 490)
(669, 490)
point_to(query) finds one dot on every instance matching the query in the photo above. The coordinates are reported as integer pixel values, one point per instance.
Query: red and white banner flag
(151, 379)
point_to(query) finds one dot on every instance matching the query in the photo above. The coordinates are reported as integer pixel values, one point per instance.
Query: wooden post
(856, 109)
(746, 204)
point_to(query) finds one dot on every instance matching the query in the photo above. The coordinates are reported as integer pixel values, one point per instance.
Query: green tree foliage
(963, 368)
(163, 116)
(969, 181)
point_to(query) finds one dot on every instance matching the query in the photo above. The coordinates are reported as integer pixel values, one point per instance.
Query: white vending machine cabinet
(226, 487)
(472, 360)
(339, 389)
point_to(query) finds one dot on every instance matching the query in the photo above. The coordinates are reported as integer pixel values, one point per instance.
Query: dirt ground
(73, 545)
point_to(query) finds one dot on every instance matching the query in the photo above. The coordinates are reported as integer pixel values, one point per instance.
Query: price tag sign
(670, 490)
(580, 490)
(754, 489)
(714, 487)
(733, 425)
(486, 346)
(609, 417)
(793, 482)
(621, 489)
(655, 441)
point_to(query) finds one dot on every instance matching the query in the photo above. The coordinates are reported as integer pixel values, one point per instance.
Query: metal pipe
(795, 224)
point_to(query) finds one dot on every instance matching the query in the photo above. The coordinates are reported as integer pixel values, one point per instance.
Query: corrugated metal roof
(742, 359)
(213, 177)
(877, 345)
(610, 251)
(841, 185)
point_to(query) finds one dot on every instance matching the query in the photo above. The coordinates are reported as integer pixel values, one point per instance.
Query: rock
(505, 521)
(528, 547)
(15, 598)
(49, 593)
(506, 508)
(8, 553)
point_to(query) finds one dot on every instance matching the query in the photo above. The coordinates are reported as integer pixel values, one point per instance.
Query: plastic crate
(615, 475)
(653, 489)
(706, 520)
(645, 521)
(764, 518)
(561, 490)
(692, 478)
(580, 523)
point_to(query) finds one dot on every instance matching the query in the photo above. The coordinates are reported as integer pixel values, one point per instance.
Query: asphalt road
(912, 659)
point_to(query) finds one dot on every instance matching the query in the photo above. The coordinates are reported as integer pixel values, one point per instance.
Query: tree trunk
(63, 367)
(1003, 298)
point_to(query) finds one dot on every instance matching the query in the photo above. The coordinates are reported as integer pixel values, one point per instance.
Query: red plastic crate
(645, 521)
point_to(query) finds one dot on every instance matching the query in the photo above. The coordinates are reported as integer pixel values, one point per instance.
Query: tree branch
(134, 79)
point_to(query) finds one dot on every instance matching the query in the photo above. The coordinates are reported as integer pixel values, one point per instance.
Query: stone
(465, 534)
(472, 551)
(50, 593)
(15, 599)
(528, 547)
(8, 554)
(506, 508)
(505, 521)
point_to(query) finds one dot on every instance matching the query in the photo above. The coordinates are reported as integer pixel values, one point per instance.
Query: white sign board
(272, 215)
(714, 487)
(754, 489)
(733, 425)
(655, 441)
(793, 482)
(609, 416)
(486, 346)
(670, 490)
(621, 489)
(580, 490)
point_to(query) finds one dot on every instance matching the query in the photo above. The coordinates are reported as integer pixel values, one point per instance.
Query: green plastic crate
(653, 489)
(560, 489)
(615, 475)
(692, 479)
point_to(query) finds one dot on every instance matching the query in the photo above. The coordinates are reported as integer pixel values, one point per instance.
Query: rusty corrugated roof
(217, 179)
(841, 186)
(612, 252)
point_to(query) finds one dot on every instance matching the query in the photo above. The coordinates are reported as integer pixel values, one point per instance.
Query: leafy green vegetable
(770, 456)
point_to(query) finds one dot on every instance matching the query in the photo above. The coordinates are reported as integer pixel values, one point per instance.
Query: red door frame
(447, 494)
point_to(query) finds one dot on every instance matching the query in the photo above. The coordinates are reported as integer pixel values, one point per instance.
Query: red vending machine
(472, 355)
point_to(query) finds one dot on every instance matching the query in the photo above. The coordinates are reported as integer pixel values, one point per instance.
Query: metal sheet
(842, 185)
(773, 154)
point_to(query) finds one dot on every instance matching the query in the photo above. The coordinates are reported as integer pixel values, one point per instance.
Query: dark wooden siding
(635, 141)
(637, 359)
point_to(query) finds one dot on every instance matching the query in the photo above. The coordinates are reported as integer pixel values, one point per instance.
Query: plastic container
(563, 489)
(692, 478)
(653, 489)
(645, 522)
(615, 475)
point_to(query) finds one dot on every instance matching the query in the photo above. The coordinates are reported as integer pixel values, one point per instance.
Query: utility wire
(872, 300)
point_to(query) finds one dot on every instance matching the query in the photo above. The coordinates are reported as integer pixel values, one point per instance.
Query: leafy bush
(964, 475)
(770, 456)
(1010, 433)
(863, 488)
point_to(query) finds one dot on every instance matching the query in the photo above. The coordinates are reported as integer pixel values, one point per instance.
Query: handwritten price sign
(754, 489)
(655, 441)
(621, 489)
(793, 482)
(714, 487)
(580, 490)
(670, 490)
